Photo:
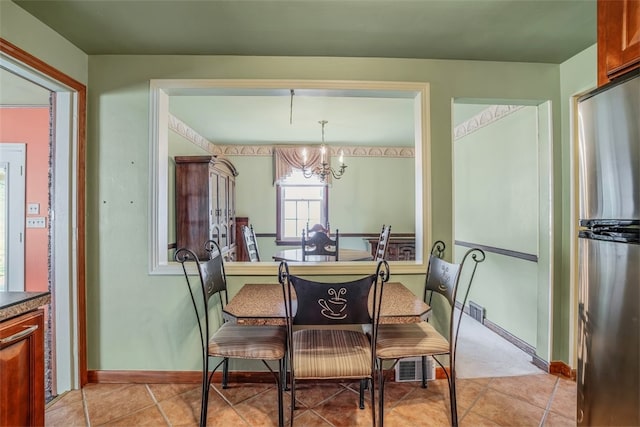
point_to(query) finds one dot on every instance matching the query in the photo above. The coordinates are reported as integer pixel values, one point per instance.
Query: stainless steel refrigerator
(608, 372)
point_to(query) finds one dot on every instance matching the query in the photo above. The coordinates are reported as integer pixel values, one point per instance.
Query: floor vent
(476, 312)
(410, 369)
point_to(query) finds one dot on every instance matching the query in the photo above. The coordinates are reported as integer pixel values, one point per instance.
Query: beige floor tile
(343, 410)
(308, 418)
(146, 417)
(425, 411)
(565, 398)
(395, 391)
(66, 414)
(506, 410)
(472, 419)
(65, 399)
(555, 420)
(164, 391)
(468, 392)
(262, 410)
(238, 392)
(105, 404)
(310, 395)
(535, 389)
(184, 409)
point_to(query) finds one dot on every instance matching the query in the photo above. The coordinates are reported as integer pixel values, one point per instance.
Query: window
(301, 201)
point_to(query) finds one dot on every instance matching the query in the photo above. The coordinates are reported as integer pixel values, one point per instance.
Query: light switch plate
(33, 208)
(36, 222)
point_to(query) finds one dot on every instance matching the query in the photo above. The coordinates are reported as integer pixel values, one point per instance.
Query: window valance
(286, 158)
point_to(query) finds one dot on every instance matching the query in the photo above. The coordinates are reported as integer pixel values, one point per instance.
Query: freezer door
(608, 374)
(609, 152)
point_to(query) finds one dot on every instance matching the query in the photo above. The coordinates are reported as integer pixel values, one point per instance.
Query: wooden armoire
(205, 204)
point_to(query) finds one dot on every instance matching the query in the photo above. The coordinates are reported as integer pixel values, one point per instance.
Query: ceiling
(548, 31)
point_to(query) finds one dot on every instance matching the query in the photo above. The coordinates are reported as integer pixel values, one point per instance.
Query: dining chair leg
(204, 401)
(380, 394)
(373, 402)
(424, 371)
(362, 387)
(293, 400)
(285, 382)
(453, 402)
(204, 392)
(281, 393)
(225, 373)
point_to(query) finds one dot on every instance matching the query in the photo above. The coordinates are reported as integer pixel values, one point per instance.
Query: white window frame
(293, 181)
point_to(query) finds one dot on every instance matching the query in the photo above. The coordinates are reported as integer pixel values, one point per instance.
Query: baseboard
(508, 336)
(562, 369)
(169, 377)
(195, 377)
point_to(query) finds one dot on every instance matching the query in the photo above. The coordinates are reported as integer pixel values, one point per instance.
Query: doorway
(503, 203)
(67, 210)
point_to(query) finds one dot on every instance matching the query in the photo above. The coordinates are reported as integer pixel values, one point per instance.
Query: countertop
(13, 304)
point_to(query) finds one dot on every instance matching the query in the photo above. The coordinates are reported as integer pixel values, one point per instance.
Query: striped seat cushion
(328, 353)
(409, 340)
(248, 342)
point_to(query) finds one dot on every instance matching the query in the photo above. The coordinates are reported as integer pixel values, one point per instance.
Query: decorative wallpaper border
(182, 129)
(484, 118)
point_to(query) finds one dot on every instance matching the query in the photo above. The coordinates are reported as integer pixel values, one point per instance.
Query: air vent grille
(410, 369)
(476, 312)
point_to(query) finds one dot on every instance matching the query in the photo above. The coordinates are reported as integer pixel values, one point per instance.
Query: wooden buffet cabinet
(400, 248)
(22, 390)
(618, 38)
(205, 204)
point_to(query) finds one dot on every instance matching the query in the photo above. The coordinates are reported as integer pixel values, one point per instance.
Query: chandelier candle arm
(324, 170)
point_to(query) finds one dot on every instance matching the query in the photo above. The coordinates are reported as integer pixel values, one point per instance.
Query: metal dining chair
(208, 292)
(325, 353)
(398, 341)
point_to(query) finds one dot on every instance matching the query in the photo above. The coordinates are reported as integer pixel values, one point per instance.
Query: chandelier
(323, 170)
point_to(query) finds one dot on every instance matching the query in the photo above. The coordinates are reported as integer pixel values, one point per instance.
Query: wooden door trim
(37, 64)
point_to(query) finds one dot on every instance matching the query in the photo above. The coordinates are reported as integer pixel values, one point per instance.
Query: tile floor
(529, 400)
(497, 386)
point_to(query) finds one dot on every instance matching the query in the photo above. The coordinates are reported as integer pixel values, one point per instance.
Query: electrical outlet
(33, 208)
(36, 222)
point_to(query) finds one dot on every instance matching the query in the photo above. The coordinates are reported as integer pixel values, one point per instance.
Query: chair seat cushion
(329, 353)
(409, 340)
(248, 342)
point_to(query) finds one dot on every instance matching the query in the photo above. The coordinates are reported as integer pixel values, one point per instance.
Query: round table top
(294, 255)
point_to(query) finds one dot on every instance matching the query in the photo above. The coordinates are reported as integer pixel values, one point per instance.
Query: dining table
(295, 255)
(263, 304)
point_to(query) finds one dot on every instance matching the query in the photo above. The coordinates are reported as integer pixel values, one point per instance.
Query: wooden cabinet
(400, 248)
(22, 370)
(205, 204)
(618, 38)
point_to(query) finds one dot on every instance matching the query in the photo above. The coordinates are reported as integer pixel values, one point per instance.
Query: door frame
(69, 227)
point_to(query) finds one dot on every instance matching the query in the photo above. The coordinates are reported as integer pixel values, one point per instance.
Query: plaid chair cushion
(329, 353)
(409, 340)
(248, 342)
